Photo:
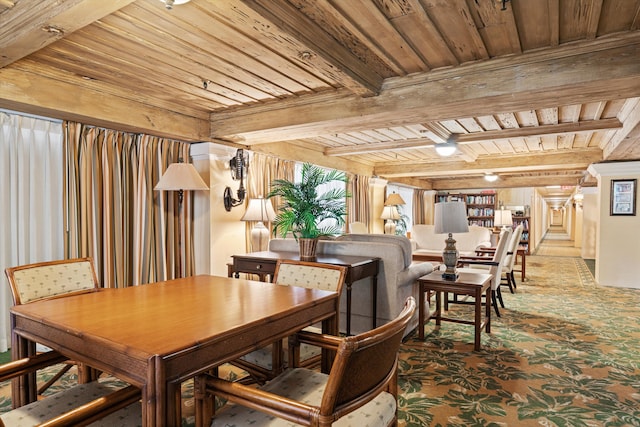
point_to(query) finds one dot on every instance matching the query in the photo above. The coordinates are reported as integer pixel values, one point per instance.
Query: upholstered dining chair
(510, 258)
(508, 277)
(94, 403)
(53, 279)
(494, 265)
(361, 387)
(265, 363)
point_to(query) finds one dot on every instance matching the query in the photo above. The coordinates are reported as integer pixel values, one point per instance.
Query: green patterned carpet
(565, 352)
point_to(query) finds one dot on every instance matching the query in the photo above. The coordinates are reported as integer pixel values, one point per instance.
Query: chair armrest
(96, 409)
(481, 250)
(471, 261)
(30, 364)
(330, 342)
(252, 397)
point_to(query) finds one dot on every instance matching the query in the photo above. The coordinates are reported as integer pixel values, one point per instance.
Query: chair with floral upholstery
(53, 279)
(362, 385)
(265, 363)
(81, 403)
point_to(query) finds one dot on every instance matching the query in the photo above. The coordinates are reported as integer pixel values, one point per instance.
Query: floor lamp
(259, 210)
(450, 217)
(180, 177)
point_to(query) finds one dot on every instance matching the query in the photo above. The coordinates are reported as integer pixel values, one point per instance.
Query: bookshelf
(524, 239)
(480, 206)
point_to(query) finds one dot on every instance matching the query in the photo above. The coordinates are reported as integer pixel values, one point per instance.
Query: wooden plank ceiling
(535, 90)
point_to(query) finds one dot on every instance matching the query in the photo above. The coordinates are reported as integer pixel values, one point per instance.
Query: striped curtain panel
(112, 212)
(421, 214)
(358, 205)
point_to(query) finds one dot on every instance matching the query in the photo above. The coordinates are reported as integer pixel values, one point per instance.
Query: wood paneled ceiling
(536, 89)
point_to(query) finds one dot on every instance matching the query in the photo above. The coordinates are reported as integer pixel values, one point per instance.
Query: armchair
(362, 385)
(265, 363)
(53, 279)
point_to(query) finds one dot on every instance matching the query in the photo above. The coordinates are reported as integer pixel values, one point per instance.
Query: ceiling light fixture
(491, 177)
(446, 149)
(169, 3)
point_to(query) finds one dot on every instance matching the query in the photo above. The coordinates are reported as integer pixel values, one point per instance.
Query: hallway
(556, 242)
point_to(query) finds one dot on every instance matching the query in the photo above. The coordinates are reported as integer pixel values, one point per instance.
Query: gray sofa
(396, 279)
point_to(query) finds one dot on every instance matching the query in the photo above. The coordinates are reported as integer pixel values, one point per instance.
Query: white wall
(618, 237)
(218, 234)
(590, 216)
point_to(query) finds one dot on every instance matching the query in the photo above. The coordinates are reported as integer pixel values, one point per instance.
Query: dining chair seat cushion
(306, 386)
(263, 357)
(65, 400)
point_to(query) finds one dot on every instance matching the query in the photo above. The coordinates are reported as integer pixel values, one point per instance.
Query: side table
(471, 284)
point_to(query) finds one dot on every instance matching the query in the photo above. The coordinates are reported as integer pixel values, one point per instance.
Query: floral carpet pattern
(566, 352)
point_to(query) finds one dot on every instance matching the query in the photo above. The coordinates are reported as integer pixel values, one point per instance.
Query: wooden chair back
(310, 275)
(365, 365)
(51, 279)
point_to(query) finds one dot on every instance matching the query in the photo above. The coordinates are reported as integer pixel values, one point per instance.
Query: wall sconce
(239, 166)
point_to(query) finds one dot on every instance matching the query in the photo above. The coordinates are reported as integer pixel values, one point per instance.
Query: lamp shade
(259, 210)
(502, 218)
(394, 199)
(181, 176)
(450, 217)
(390, 212)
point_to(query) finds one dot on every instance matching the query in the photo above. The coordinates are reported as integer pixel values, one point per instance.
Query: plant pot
(308, 248)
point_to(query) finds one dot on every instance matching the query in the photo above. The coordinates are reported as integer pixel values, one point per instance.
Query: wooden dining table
(158, 335)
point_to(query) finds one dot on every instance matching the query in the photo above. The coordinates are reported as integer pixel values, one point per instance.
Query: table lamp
(502, 218)
(450, 217)
(390, 214)
(259, 210)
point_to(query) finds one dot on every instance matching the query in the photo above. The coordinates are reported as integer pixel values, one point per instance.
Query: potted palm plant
(303, 209)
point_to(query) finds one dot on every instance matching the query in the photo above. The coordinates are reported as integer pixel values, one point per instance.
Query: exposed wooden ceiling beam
(24, 91)
(505, 182)
(24, 33)
(545, 130)
(563, 160)
(519, 84)
(356, 76)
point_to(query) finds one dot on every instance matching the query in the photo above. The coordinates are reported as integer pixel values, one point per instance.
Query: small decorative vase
(308, 249)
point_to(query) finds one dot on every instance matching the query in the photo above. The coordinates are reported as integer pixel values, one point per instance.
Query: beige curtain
(358, 205)
(262, 170)
(420, 214)
(112, 213)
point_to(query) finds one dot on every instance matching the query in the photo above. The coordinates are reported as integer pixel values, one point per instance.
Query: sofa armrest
(413, 273)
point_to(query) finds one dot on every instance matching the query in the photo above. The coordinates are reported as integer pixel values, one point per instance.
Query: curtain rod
(32, 116)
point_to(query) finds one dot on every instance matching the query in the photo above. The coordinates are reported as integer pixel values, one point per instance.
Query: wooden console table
(264, 264)
(472, 284)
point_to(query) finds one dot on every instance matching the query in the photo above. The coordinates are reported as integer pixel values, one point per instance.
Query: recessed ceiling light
(169, 3)
(491, 177)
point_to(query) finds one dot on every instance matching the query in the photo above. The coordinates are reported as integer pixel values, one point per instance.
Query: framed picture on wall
(623, 197)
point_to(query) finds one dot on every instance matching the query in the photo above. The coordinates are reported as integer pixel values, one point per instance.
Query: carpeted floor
(564, 353)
